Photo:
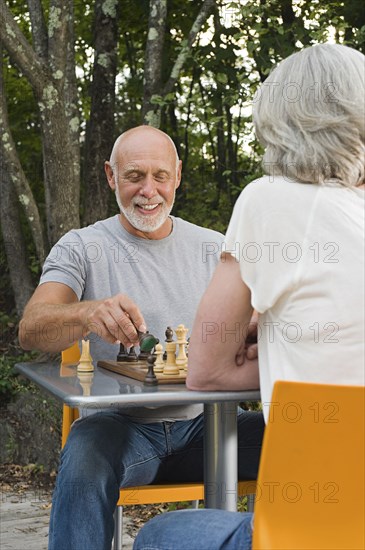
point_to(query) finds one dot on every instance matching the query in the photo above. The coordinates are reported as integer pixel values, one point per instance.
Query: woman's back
(301, 250)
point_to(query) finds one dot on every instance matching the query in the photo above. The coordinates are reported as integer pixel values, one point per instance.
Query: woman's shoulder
(276, 191)
(273, 184)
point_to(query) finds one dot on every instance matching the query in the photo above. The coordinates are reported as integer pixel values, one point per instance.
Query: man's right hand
(114, 319)
(54, 319)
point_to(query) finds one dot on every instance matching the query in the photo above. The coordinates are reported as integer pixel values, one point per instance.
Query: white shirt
(301, 253)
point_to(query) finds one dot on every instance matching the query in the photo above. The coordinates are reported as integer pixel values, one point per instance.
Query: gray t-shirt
(165, 278)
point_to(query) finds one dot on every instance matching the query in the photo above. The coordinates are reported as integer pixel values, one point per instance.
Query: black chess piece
(132, 356)
(122, 355)
(151, 378)
(187, 347)
(143, 355)
(169, 333)
(147, 342)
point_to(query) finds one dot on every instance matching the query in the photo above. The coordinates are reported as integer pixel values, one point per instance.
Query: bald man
(141, 269)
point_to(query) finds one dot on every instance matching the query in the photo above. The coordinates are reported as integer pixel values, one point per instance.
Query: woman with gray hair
(294, 252)
(309, 114)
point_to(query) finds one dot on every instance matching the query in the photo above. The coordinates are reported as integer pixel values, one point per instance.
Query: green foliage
(6, 298)
(208, 113)
(183, 505)
(242, 504)
(10, 383)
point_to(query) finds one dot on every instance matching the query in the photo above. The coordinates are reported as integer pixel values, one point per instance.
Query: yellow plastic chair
(144, 494)
(310, 487)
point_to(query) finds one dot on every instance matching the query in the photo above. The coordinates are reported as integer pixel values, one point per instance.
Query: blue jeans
(196, 530)
(108, 450)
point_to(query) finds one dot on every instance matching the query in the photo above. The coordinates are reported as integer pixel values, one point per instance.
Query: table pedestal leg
(220, 456)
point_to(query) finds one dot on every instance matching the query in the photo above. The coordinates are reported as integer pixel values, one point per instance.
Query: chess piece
(170, 367)
(132, 356)
(159, 364)
(147, 341)
(86, 380)
(122, 355)
(181, 359)
(151, 378)
(143, 355)
(85, 364)
(146, 344)
(169, 333)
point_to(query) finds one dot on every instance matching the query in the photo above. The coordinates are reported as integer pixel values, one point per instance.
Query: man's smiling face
(145, 175)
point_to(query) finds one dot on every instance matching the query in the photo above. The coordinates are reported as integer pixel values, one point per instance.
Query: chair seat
(150, 494)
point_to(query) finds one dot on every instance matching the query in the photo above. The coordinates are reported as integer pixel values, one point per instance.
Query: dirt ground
(25, 502)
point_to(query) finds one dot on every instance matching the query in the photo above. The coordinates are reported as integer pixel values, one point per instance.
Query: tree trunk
(153, 59)
(60, 128)
(206, 10)
(208, 125)
(151, 112)
(61, 183)
(15, 249)
(39, 29)
(51, 82)
(187, 123)
(18, 178)
(100, 128)
(231, 158)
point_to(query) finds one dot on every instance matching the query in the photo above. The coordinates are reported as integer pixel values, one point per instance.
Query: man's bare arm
(54, 319)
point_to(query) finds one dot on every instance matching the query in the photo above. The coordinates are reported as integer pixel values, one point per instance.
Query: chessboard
(138, 371)
(159, 366)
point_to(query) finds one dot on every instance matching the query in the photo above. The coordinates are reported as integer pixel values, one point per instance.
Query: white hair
(310, 116)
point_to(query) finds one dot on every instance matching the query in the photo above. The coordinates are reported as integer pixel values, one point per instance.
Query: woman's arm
(219, 333)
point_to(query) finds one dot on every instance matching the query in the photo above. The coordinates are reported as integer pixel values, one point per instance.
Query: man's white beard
(144, 223)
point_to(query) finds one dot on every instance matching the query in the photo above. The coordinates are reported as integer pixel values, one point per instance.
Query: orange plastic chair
(144, 494)
(310, 487)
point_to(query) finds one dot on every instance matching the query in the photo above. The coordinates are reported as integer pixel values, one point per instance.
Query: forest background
(75, 74)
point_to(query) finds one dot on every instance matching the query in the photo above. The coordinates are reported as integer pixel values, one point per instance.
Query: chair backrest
(71, 354)
(310, 487)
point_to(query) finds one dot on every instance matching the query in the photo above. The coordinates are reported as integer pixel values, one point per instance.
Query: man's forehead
(143, 139)
(142, 154)
(143, 165)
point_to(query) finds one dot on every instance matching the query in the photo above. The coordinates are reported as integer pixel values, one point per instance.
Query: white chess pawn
(159, 364)
(170, 367)
(85, 364)
(181, 360)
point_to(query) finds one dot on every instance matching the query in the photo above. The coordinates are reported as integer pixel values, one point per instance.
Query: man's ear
(178, 177)
(109, 175)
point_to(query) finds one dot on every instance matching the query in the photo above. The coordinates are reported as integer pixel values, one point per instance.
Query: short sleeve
(265, 236)
(66, 263)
